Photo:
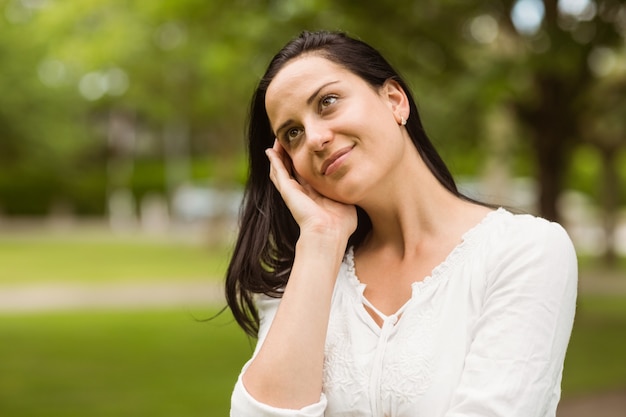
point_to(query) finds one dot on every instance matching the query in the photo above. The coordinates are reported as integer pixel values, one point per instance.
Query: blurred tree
(556, 53)
(38, 125)
(604, 127)
(147, 82)
(539, 58)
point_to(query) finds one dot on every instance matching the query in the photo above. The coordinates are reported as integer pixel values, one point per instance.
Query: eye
(292, 134)
(327, 101)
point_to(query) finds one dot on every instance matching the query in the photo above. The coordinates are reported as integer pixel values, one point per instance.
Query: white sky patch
(580, 9)
(527, 16)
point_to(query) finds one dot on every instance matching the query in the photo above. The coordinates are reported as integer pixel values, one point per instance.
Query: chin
(345, 191)
(344, 198)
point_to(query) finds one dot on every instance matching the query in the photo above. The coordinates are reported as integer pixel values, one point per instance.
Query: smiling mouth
(333, 162)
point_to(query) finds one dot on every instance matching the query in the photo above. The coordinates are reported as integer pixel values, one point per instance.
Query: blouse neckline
(438, 273)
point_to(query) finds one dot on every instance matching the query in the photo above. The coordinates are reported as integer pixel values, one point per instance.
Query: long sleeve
(485, 336)
(515, 359)
(242, 403)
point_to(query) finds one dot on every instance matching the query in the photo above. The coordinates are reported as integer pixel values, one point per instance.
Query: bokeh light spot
(527, 16)
(484, 29)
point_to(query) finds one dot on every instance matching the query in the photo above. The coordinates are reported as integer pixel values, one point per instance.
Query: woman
(374, 287)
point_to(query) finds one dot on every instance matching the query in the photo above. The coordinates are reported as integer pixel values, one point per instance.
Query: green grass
(167, 363)
(38, 260)
(164, 362)
(87, 256)
(152, 363)
(597, 263)
(595, 358)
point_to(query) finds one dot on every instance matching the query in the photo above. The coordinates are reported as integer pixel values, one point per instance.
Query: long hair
(265, 247)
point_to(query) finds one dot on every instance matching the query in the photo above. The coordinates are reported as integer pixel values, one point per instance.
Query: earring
(402, 121)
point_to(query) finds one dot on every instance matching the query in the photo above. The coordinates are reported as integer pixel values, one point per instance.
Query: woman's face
(342, 135)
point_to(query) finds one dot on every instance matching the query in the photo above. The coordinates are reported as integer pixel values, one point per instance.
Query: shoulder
(532, 235)
(523, 244)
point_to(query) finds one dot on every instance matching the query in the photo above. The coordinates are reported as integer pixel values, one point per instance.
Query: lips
(333, 162)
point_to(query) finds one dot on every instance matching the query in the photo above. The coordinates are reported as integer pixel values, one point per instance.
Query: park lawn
(123, 363)
(595, 358)
(168, 363)
(50, 260)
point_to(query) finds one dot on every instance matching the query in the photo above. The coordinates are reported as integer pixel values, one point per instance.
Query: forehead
(303, 75)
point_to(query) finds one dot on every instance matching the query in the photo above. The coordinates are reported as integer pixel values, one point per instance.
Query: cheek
(300, 161)
(305, 169)
(302, 166)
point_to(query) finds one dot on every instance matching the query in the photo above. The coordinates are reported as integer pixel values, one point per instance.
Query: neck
(411, 208)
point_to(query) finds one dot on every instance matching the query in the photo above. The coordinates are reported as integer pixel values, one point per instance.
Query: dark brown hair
(264, 251)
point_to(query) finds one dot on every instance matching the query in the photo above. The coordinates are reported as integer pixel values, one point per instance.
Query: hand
(312, 211)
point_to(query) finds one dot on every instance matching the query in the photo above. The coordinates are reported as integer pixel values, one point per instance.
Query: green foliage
(148, 177)
(27, 189)
(621, 165)
(85, 191)
(72, 69)
(585, 174)
(586, 168)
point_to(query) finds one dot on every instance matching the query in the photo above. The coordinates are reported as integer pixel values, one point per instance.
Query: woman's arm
(287, 369)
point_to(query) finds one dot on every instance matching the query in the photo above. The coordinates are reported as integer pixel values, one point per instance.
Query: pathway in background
(63, 296)
(606, 404)
(53, 296)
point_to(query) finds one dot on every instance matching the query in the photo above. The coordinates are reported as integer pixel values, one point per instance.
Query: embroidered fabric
(450, 353)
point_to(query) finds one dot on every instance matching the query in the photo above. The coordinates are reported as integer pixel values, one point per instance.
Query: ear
(397, 100)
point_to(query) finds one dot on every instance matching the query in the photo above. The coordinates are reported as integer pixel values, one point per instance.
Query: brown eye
(327, 101)
(293, 134)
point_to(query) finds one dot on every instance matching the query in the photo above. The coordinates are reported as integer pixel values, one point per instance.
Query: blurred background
(122, 166)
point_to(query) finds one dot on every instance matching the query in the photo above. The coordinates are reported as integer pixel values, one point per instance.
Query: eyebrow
(308, 102)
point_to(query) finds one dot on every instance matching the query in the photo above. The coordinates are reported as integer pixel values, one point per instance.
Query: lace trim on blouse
(440, 271)
(407, 351)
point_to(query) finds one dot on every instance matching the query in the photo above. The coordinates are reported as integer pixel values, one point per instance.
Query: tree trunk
(610, 192)
(550, 167)
(549, 121)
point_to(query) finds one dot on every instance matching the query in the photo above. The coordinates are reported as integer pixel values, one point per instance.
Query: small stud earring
(402, 121)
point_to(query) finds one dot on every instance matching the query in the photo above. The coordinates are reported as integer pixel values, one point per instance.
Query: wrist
(324, 242)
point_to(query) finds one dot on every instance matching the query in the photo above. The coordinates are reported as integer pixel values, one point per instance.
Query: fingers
(280, 165)
(307, 206)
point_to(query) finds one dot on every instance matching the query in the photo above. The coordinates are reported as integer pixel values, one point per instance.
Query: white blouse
(484, 336)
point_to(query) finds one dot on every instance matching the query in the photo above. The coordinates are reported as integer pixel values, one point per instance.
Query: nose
(318, 136)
